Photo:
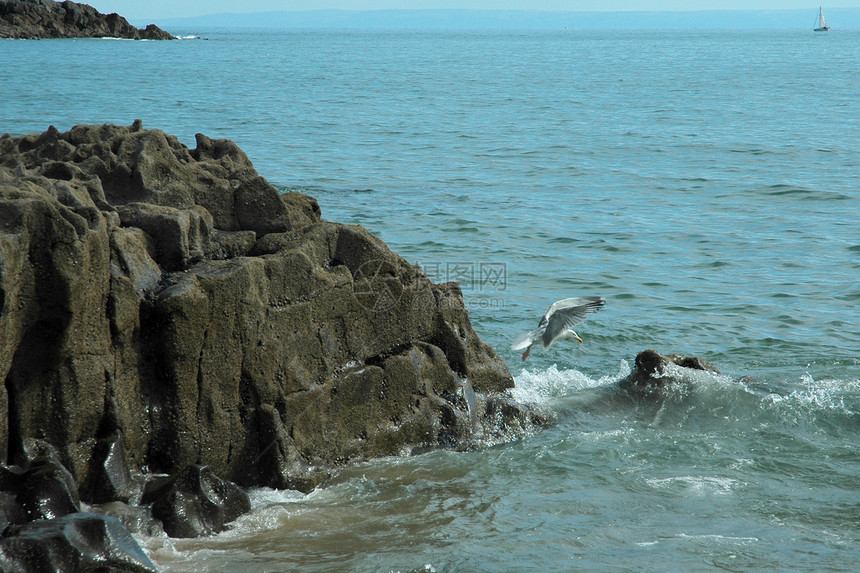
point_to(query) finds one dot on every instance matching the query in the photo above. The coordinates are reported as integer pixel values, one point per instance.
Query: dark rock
(109, 477)
(276, 462)
(44, 490)
(137, 519)
(195, 502)
(10, 510)
(153, 32)
(76, 542)
(34, 19)
(173, 297)
(653, 370)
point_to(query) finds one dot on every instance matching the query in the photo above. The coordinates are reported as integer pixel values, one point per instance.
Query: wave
(802, 193)
(694, 485)
(542, 387)
(699, 400)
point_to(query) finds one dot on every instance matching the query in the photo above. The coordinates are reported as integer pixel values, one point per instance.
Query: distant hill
(523, 19)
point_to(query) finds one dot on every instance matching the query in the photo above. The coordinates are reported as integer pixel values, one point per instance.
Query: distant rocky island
(37, 19)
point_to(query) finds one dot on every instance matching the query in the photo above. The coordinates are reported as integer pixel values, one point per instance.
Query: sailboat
(822, 24)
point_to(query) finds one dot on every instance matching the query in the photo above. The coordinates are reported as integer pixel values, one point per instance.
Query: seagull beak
(578, 338)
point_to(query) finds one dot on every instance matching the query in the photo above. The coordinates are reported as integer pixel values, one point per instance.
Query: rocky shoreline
(174, 330)
(37, 19)
(171, 326)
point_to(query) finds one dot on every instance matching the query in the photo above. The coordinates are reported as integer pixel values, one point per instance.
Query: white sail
(822, 23)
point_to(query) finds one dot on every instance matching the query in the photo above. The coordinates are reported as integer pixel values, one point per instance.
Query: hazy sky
(137, 10)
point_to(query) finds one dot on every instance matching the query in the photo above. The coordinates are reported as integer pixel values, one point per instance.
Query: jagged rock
(43, 490)
(35, 19)
(195, 502)
(72, 543)
(173, 297)
(132, 252)
(109, 477)
(137, 519)
(181, 236)
(653, 369)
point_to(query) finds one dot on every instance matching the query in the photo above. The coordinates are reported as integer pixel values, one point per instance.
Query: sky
(159, 9)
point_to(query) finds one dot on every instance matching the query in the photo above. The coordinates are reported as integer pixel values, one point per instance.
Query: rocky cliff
(34, 19)
(166, 307)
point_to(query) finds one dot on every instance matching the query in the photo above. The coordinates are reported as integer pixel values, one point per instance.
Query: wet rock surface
(654, 370)
(194, 502)
(36, 19)
(165, 310)
(74, 542)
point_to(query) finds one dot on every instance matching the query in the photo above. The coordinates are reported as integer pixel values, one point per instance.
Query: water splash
(542, 387)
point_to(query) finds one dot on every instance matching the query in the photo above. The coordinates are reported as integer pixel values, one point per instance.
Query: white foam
(719, 538)
(695, 485)
(270, 509)
(542, 386)
(816, 395)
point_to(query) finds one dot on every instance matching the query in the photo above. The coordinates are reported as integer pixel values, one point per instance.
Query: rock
(33, 19)
(76, 542)
(153, 32)
(132, 252)
(110, 478)
(173, 298)
(44, 490)
(653, 370)
(10, 510)
(195, 502)
(137, 519)
(180, 236)
(303, 209)
(231, 244)
(276, 462)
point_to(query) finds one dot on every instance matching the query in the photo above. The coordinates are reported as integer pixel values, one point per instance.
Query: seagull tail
(524, 340)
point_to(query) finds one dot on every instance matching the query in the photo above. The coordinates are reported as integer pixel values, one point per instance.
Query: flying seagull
(558, 322)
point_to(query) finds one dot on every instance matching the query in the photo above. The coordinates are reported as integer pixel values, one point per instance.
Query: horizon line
(524, 10)
(492, 18)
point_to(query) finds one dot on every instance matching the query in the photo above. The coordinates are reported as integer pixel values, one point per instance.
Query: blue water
(705, 183)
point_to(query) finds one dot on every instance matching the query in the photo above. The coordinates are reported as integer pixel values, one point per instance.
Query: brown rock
(653, 369)
(173, 299)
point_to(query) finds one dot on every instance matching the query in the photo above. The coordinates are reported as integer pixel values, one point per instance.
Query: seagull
(558, 322)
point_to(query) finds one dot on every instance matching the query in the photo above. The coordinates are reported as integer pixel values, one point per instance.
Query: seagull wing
(565, 314)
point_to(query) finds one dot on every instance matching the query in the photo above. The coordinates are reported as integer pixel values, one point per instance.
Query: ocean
(704, 182)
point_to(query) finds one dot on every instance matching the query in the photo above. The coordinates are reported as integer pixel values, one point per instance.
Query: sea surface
(707, 184)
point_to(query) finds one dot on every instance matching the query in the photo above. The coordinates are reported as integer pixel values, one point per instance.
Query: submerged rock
(34, 19)
(75, 542)
(653, 370)
(173, 309)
